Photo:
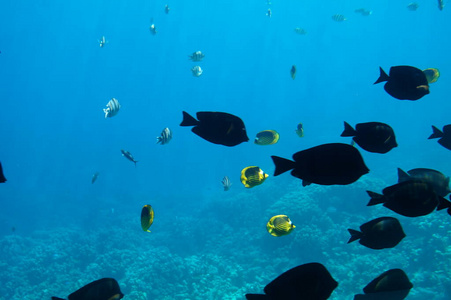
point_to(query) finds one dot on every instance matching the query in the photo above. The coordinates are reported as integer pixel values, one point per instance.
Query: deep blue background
(55, 80)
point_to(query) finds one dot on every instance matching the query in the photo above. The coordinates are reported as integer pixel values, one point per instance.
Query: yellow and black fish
(252, 176)
(293, 72)
(432, 74)
(267, 137)
(146, 217)
(300, 130)
(280, 225)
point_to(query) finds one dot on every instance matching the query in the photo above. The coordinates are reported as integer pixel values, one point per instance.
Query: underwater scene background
(58, 231)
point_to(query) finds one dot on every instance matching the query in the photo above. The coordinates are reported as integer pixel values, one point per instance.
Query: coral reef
(221, 250)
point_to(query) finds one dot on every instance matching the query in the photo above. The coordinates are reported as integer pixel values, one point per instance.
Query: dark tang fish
(307, 282)
(380, 233)
(390, 285)
(2, 177)
(102, 289)
(438, 181)
(411, 198)
(326, 164)
(404, 82)
(217, 127)
(445, 136)
(372, 136)
(129, 156)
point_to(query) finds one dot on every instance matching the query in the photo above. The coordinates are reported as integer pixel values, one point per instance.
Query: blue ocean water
(58, 231)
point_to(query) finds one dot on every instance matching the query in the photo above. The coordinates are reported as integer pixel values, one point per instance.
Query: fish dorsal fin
(382, 77)
(349, 131)
(188, 120)
(403, 176)
(436, 133)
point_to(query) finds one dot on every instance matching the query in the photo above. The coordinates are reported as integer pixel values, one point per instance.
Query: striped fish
(252, 176)
(196, 56)
(280, 225)
(226, 183)
(165, 137)
(112, 109)
(338, 18)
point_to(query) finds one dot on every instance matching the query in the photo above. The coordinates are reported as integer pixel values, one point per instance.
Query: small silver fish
(129, 156)
(269, 13)
(165, 137)
(197, 71)
(166, 9)
(152, 27)
(363, 11)
(102, 41)
(226, 183)
(440, 4)
(300, 30)
(112, 109)
(196, 56)
(94, 177)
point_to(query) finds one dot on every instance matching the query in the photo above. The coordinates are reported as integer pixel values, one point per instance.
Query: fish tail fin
(355, 235)
(56, 298)
(382, 77)
(436, 133)
(135, 162)
(349, 131)
(282, 165)
(403, 176)
(443, 203)
(257, 297)
(188, 120)
(375, 198)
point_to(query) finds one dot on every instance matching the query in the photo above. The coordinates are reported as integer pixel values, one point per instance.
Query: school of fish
(417, 193)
